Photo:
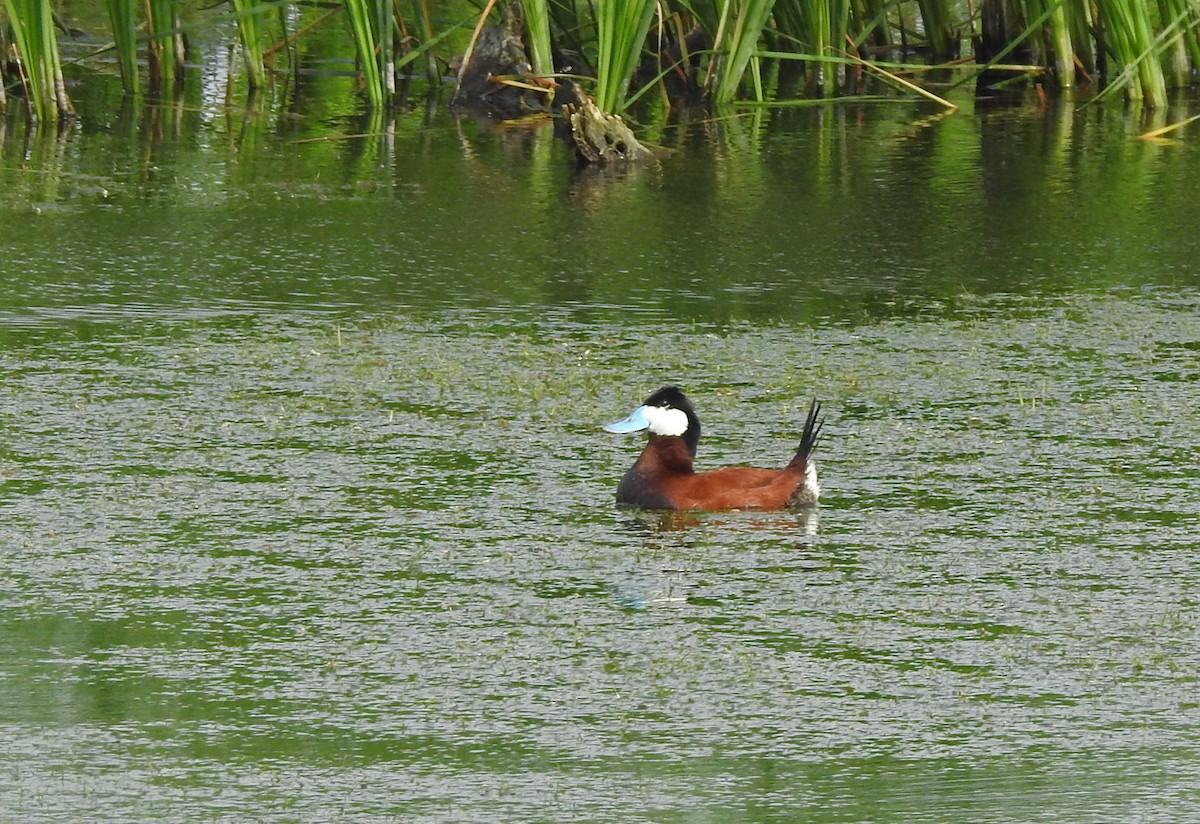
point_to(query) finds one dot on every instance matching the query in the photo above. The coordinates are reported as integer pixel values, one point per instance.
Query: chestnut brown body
(664, 476)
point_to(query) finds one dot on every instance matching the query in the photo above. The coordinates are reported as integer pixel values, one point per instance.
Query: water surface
(305, 513)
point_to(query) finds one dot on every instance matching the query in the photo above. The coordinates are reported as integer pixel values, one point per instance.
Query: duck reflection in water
(652, 522)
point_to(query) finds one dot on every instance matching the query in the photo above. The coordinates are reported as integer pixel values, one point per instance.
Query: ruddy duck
(663, 477)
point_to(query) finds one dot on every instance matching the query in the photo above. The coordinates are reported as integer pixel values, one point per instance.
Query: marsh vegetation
(620, 51)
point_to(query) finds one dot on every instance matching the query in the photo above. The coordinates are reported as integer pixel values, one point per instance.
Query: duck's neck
(668, 453)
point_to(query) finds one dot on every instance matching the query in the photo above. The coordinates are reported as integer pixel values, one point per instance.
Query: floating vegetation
(708, 51)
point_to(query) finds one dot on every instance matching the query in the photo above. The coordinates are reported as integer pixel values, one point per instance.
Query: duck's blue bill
(634, 423)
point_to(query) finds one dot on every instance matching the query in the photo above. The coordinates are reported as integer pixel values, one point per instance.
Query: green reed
(573, 30)
(1182, 51)
(385, 32)
(1150, 42)
(941, 34)
(32, 23)
(1131, 39)
(819, 27)
(421, 14)
(875, 27)
(736, 42)
(364, 28)
(1081, 23)
(621, 28)
(122, 15)
(1051, 38)
(165, 51)
(537, 28)
(1139, 37)
(1059, 36)
(249, 23)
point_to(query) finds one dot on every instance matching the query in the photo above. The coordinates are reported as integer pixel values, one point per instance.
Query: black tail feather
(812, 430)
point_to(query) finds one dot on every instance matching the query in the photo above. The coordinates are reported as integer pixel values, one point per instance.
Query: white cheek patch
(666, 421)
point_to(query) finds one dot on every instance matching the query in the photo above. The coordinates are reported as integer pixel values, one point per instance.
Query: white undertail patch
(809, 492)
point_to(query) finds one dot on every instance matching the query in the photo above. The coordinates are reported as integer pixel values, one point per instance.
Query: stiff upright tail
(808, 440)
(808, 490)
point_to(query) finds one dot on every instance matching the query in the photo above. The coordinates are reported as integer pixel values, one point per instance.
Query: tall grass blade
(818, 27)
(363, 24)
(1184, 52)
(421, 10)
(164, 50)
(744, 30)
(940, 31)
(621, 28)
(122, 15)
(901, 82)
(250, 34)
(1060, 44)
(872, 19)
(32, 23)
(537, 27)
(575, 30)
(1081, 22)
(21, 19)
(1131, 40)
(1155, 134)
(385, 32)
(1014, 43)
(1052, 44)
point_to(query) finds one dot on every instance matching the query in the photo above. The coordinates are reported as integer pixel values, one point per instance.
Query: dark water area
(306, 515)
(769, 216)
